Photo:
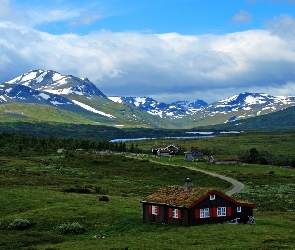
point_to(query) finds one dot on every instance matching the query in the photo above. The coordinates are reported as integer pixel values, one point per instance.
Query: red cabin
(188, 207)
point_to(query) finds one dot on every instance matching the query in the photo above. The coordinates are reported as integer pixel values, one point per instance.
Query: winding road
(238, 186)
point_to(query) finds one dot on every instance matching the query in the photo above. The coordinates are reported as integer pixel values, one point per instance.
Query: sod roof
(176, 195)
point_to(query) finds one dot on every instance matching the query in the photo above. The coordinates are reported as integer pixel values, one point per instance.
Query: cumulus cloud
(283, 26)
(166, 67)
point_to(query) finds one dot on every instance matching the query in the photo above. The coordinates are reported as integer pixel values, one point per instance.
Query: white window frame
(175, 213)
(154, 210)
(221, 211)
(204, 213)
(212, 197)
(239, 209)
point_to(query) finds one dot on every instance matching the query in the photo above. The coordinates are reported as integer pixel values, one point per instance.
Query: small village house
(223, 159)
(190, 155)
(187, 206)
(165, 150)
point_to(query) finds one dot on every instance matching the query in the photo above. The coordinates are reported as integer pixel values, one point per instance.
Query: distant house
(165, 150)
(189, 156)
(224, 159)
(188, 207)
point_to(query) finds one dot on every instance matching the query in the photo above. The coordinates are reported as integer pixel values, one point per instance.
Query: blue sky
(166, 49)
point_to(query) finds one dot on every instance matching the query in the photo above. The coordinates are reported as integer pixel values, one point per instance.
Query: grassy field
(54, 189)
(275, 143)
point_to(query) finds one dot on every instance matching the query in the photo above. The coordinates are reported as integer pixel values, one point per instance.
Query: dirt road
(238, 186)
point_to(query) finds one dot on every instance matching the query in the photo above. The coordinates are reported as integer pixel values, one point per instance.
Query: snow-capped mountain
(85, 101)
(237, 107)
(51, 88)
(247, 105)
(174, 110)
(55, 83)
(21, 93)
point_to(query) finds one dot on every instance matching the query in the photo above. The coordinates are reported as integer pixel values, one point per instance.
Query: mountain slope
(55, 83)
(87, 104)
(175, 110)
(183, 114)
(73, 94)
(238, 107)
(280, 120)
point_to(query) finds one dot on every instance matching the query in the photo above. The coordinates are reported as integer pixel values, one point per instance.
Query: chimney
(188, 183)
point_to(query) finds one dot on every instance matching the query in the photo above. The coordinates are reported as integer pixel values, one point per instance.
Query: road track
(238, 186)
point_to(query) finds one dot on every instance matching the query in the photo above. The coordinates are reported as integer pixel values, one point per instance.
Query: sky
(169, 50)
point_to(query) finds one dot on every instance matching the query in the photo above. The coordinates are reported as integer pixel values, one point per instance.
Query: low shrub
(71, 228)
(103, 198)
(19, 224)
(78, 190)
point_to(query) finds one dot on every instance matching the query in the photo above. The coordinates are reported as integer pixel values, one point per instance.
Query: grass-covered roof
(176, 195)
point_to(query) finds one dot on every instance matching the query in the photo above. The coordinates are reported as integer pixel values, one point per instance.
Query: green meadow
(102, 194)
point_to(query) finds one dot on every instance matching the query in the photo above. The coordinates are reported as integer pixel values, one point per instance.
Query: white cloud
(242, 17)
(163, 66)
(53, 12)
(283, 26)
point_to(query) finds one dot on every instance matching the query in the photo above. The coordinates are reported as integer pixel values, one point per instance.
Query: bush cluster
(79, 190)
(19, 224)
(71, 228)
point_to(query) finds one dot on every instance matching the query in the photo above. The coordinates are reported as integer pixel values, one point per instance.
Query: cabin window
(221, 211)
(175, 213)
(239, 209)
(212, 197)
(154, 210)
(204, 213)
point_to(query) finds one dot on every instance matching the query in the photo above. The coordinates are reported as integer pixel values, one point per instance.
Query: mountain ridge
(82, 97)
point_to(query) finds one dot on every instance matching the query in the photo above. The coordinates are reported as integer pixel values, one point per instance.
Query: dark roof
(225, 157)
(177, 196)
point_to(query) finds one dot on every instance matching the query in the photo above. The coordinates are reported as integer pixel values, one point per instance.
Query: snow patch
(30, 76)
(254, 100)
(115, 99)
(57, 77)
(3, 98)
(15, 79)
(139, 100)
(87, 107)
(65, 91)
(41, 77)
(44, 96)
(229, 99)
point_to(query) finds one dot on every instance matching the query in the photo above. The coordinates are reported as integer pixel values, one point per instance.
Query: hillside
(41, 96)
(46, 191)
(277, 121)
(45, 96)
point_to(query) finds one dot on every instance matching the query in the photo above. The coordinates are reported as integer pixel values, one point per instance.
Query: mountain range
(48, 96)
